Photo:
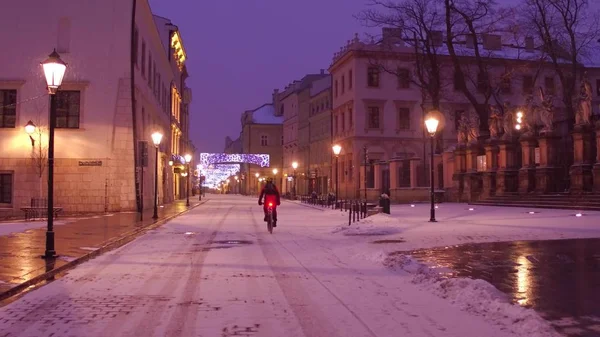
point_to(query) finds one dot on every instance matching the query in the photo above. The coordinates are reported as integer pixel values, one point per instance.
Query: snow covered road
(216, 271)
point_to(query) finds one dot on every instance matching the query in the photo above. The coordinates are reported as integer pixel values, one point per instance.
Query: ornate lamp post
(337, 149)
(54, 71)
(156, 139)
(295, 167)
(432, 123)
(188, 159)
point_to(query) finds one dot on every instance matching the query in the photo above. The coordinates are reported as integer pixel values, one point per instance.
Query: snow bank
(365, 230)
(475, 296)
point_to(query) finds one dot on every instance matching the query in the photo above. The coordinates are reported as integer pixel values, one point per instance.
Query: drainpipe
(134, 110)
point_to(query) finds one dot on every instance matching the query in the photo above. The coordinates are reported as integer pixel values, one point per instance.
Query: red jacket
(270, 197)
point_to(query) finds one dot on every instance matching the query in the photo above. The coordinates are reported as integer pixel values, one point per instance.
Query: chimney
(391, 36)
(492, 42)
(470, 43)
(437, 38)
(322, 71)
(529, 46)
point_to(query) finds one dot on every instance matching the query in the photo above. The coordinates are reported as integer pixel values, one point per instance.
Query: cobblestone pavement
(20, 252)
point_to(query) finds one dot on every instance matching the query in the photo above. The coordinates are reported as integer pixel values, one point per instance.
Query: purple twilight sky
(240, 50)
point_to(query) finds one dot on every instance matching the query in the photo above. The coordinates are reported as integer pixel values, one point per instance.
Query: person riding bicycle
(271, 195)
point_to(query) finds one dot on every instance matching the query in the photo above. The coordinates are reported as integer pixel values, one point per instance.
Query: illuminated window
(68, 109)
(481, 163)
(8, 108)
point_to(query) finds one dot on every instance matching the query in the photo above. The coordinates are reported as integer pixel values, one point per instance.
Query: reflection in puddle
(560, 279)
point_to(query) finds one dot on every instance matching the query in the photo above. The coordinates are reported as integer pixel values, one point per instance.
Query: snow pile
(377, 257)
(475, 296)
(360, 230)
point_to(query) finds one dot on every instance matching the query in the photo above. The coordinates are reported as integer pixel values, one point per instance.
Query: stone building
(294, 105)
(97, 168)
(383, 113)
(261, 134)
(320, 155)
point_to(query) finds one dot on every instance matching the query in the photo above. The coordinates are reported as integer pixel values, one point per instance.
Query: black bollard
(349, 218)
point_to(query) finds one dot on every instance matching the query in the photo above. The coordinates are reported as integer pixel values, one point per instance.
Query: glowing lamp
(170, 163)
(257, 175)
(30, 128)
(270, 204)
(157, 138)
(432, 124)
(275, 171)
(295, 165)
(188, 158)
(336, 149)
(54, 70)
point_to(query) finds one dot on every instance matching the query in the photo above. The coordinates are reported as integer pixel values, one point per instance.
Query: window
(528, 84)
(598, 87)
(264, 140)
(336, 88)
(150, 75)
(350, 121)
(373, 116)
(350, 79)
(343, 122)
(136, 42)
(281, 140)
(143, 63)
(350, 167)
(6, 188)
(281, 109)
(403, 119)
(481, 163)
(403, 78)
(337, 124)
(549, 85)
(154, 78)
(8, 108)
(458, 82)
(68, 104)
(373, 77)
(506, 85)
(343, 84)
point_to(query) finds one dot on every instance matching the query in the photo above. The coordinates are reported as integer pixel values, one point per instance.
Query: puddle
(560, 279)
(388, 241)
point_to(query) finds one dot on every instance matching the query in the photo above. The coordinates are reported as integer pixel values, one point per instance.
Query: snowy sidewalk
(22, 243)
(215, 271)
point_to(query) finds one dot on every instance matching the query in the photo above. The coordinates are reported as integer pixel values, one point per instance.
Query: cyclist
(271, 195)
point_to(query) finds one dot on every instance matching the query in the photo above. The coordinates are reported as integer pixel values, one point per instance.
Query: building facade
(378, 117)
(102, 139)
(320, 140)
(261, 134)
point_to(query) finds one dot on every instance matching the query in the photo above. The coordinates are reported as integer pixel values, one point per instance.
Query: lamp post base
(50, 253)
(432, 220)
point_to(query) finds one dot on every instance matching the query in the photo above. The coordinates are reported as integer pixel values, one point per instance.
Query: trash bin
(384, 203)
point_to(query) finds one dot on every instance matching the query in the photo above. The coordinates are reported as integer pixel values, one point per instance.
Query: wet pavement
(20, 252)
(560, 279)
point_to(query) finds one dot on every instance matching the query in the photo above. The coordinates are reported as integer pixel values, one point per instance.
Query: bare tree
(567, 29)
(418, 25)
(474, 63)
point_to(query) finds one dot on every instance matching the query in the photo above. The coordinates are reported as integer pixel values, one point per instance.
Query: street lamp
(432, 124)
(54, 71)
(30, 129)
(188, 159)
(275, 171)
(294, 166)
(156, 139)
(519, 121)
(337, 149)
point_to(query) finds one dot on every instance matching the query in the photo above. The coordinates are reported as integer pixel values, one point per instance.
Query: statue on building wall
(584, 111)
(530, 116)
(546, 111)
(474, 123)
(508, 122)
(463, 129)
(495, 122)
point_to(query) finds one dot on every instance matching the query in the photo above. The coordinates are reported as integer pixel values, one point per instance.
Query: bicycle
(270, 218)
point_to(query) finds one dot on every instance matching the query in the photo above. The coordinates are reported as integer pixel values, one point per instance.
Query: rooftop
(265, 114)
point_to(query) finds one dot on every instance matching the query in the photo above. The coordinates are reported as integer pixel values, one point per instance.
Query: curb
(113, 244)
(307, 205)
